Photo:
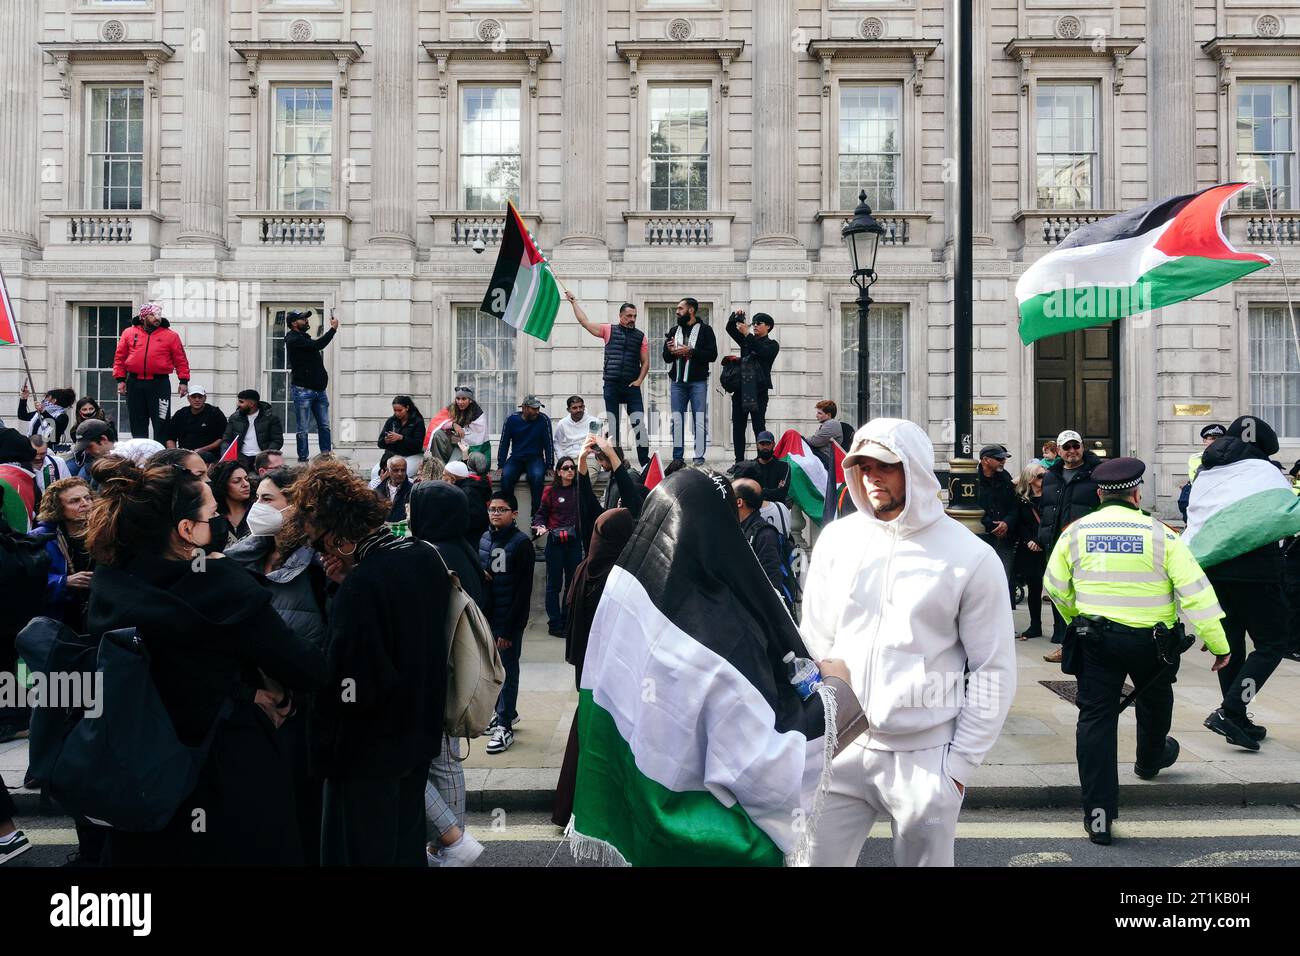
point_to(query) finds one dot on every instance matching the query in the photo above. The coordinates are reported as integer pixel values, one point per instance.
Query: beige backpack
(474, 670)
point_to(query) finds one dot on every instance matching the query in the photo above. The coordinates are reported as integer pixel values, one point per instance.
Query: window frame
(1096, 152)
(466, 72)
(1276, 299)
(272, 73)
(269, 327)
(112, 402)
(847, 309)
(1071, 70)
(461, 88)
(911, 156)
(915, 302)
(667, 72)
(455, 304)
(900, 153)
(83, 77)
(1234, 157)
(273, 184)
(709, 153)
(88, 92)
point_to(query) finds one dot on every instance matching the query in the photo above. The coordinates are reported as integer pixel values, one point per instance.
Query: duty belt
(1170, 642)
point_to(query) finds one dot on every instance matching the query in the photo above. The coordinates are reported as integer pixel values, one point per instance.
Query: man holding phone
(572, 431)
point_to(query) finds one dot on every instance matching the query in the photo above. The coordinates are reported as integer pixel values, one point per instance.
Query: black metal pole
(964, 274)
(864, 356)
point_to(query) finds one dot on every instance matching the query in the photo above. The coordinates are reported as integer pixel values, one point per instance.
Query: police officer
(1116, 575)
(1209, 435)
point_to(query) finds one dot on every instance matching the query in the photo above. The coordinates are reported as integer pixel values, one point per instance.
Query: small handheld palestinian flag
(834, 484)
(654, 472)
(1147, 258)
(231, 453)
(1238, 507)
(523, 292)
(694, 749)
(808, 474)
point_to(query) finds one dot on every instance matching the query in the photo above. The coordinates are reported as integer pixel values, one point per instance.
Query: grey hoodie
(909, 605)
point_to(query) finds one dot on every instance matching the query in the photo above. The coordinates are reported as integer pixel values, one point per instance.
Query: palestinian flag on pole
(523, 292)
(834, 484)
(231, 453)
(442, 418)
(694, 750)
(654, 473)
(808, 474)
(1239, 507)
(1143, 259)
(8, 321)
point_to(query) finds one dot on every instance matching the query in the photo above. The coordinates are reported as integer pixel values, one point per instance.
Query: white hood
(906, 440)
(918, 609)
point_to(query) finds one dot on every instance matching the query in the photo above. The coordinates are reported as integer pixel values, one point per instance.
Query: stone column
(775, 120)
(392, 198)
(582, 202)
(982, 206)
(203, 133)
(1171, 57)
(20, 100)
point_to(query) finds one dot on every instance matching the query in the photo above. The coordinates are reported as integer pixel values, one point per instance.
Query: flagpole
(18, 335)
(1286, 285)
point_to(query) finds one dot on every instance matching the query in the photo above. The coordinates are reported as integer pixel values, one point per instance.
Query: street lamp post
(862, 235)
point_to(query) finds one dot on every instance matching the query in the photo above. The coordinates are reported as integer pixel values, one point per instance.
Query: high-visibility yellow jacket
(1193, 466)
(1129, 568)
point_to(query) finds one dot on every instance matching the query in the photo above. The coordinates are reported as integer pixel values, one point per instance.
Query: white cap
(1068, 435)
(868, 448)
(457, 469)
(197, 390)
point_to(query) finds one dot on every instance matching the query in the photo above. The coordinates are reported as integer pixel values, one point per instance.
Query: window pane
(303, 144)
(98, 329)
(679, 147)
(486, 362)
(870, 131)
(115, 147)
(886, 328)
(1265, 142)
(1066, 149)
(490, 137)
(1274, 369)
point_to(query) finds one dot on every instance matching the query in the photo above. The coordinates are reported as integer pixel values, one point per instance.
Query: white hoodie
(910, 605)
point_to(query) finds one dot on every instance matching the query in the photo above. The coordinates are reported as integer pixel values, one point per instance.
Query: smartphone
(594, 426)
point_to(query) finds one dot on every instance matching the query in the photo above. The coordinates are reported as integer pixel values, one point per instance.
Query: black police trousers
(1260, 609)
(1108, 658)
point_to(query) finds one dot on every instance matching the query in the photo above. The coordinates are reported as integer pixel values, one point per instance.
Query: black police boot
(1167, 759)
(1253, 729)
(1226, 726)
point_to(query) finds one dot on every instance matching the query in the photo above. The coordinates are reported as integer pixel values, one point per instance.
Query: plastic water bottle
(805, 677)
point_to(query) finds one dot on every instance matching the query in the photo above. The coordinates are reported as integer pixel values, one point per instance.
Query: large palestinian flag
(808, 474)
(8, 321)
(1237, 508)
(523, 292)
(694, 748)
(1143, 259)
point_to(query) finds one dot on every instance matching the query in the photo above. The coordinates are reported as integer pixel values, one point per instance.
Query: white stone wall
(395, 278)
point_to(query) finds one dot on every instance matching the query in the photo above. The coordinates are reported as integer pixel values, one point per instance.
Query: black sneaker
(1225, 726)
(1167, 759)
(1253, 729)
(1032, 631)
(15, 847)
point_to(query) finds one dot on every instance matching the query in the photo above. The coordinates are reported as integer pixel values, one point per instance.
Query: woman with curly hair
(215, 643)
(234, 495)
(62, 514)
(379, 721)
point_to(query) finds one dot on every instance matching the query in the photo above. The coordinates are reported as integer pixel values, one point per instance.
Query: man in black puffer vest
(1249, 588)
(1069, 493)
(627, 361)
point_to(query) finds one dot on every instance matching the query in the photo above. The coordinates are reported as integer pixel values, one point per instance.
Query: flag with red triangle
(442, 418)
(8, 321)
(835, 484)
(654, 472)
(231, 453)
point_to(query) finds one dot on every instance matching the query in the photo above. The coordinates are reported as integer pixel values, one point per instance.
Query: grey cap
(531, 401)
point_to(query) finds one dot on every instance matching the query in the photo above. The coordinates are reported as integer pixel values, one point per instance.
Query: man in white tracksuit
(917, 607)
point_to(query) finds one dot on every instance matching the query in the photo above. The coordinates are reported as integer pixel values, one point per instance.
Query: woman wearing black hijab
(613, 530)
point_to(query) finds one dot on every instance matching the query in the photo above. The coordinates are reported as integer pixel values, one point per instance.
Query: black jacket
(397, 503)
(412, 440)
(774, 476)
(706, 352)
(267, 425)
(1064, 504)
(192, 431)
(764, 540)
(762, 351)
(1264, 564)
(381, 713)
(506, 555)
(208, 633)
(440, 516)
(997, 496)
(306, 365)
(479, 492)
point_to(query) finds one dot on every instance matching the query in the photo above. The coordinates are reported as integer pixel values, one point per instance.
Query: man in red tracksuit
(147, 354)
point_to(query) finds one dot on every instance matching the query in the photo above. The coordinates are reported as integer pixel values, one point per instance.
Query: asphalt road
(1174, 836)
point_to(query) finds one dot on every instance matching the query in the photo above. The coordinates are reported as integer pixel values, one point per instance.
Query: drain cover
(1069, 689)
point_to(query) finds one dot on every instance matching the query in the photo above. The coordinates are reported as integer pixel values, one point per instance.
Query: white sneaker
(461, 853)
(501, 740)
(18, 845)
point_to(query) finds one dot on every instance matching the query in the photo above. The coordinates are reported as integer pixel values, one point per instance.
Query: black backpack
(730, 377)
(122, 766)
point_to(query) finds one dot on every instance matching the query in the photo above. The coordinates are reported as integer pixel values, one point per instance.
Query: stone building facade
(235, 158)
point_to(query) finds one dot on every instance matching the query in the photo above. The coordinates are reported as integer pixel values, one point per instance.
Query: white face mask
(263, 519)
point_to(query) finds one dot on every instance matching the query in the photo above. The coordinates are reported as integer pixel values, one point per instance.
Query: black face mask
(219, 528)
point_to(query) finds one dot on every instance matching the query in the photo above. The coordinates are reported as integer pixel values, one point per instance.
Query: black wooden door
(1076, 386)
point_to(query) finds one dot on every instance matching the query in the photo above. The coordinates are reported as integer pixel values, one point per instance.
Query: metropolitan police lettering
(1115, 544)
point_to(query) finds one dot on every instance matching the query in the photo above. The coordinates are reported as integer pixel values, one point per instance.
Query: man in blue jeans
(506, 554)
(308, 378)
(626, 364)
(527, 446)
(689, 349)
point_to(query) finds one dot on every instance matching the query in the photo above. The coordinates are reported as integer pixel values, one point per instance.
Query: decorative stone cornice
(1027, 49)
(1225, 50)
(916, 49)
(150, 54)
(534, 51)
(254, 52)
(724, 51)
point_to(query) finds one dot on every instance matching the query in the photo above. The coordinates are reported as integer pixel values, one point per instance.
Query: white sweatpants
(911, 787)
